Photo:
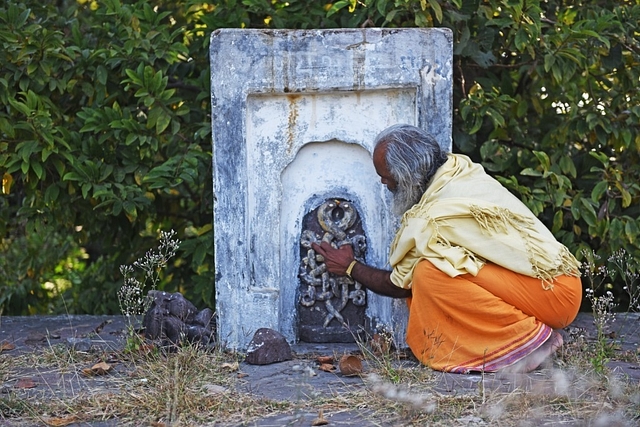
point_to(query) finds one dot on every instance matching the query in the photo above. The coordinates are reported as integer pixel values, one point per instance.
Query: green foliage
(546, 98)
(105, 137)
(556, 115)
(104, 141)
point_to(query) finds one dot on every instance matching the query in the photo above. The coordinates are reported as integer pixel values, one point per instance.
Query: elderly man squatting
(485, 281)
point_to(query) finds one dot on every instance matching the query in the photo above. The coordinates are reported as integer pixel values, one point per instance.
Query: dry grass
(196, 387)
(186, 387)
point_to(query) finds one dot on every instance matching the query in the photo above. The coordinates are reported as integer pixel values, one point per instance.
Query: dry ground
(108, 384)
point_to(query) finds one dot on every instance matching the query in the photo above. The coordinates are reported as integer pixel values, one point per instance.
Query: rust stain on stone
(292, 121)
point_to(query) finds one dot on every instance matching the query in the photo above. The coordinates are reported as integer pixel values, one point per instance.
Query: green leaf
(199, 255)
(337, 6)
(558, 218)
(521, 39)
(381, 6)
(51, 193)
(85, 189)
(437, 10)
(116, 208)
(130, 208)
(616, 229)
(72, 176)
(530, 172)
(162, 122)
(598, 190)
(567, 166)
(101, 74)
(588, 212)
(631, 230)
(36, 167)
(549, 60)
(626, 198)
(20, 106)
(544, 160)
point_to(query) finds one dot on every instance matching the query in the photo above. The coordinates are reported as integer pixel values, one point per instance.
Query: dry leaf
(324, 359)
(380, 345)
(320, 421)
(25, 383)
(6, 346)
(62, 421)
(327, 367)
(231, 366)
(350, 365)
(101, 368)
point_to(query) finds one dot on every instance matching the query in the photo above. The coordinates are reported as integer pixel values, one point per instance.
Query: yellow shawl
(466, 218)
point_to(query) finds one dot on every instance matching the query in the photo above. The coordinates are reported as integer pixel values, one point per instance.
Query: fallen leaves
(6, 346)
(324, 359)
(62, 421)
(320, 421)
(35, 338)
(350, 365)
(101, 368)
(25, 383)
(381, 344)
(327, 367)
(231, 366)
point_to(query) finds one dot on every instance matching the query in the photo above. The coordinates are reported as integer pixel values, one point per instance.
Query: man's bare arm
(374, 279)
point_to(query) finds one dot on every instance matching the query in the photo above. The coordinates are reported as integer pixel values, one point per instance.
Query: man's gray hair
(413, 156)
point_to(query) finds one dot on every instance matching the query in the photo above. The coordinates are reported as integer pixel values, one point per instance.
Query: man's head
(406, 157)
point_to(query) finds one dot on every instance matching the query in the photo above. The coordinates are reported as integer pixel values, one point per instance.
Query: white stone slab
(294, 115)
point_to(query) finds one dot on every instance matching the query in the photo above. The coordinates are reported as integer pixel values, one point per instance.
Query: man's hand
(376, 280)
(336, 260)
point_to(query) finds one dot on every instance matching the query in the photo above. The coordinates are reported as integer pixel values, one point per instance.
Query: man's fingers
(318, 248)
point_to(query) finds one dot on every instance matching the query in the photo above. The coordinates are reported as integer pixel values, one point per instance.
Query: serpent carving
(336, 219)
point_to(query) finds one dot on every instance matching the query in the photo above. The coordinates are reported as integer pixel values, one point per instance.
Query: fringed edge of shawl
(497, 220)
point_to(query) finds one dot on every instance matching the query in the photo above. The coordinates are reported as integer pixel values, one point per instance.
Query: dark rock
(181, 308)
(160, 299)
(199, 334)
(268, 346)
(173, 329)
(172, 319)
(204, 318)
(152, 322)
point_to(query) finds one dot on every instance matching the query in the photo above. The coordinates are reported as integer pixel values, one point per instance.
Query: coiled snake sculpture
(335, 218)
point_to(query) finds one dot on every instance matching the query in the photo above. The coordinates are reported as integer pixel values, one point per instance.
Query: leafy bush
(104, 141)
(105, 133)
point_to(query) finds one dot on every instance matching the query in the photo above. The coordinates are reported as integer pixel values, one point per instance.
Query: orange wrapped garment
(484, 322)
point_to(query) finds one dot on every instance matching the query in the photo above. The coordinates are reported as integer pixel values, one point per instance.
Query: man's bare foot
(539, 355)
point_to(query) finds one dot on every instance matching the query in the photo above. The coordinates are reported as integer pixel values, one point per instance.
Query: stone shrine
(294, 116)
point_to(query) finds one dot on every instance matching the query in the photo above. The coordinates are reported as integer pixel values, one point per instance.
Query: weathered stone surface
(268, 346)
(293, 124)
